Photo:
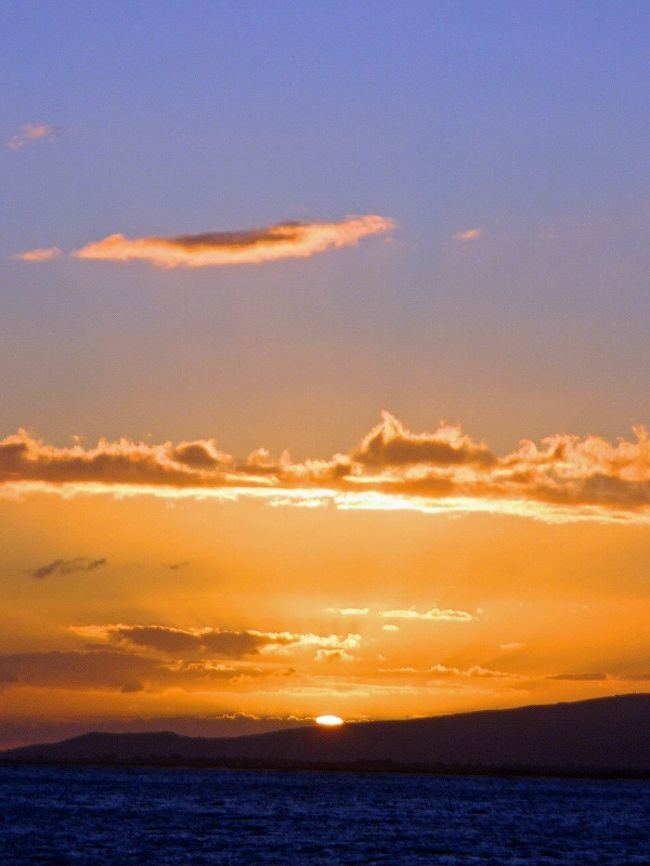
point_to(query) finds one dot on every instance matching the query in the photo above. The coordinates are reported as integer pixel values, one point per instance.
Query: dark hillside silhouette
(601, 736)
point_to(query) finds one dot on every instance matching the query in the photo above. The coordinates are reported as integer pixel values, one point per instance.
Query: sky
(323, 337)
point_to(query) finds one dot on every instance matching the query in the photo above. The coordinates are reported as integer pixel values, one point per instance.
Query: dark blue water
(136, 817)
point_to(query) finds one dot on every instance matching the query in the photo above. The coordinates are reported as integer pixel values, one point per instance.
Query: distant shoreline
(363, 767)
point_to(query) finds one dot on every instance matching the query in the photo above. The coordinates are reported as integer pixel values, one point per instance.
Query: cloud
(42, 254)
(330, 655)
(391, 444)
(511, 646)
(390, 626)
(191, 643)
(439, 671)
(68, 566)
(28, 133)
(285, 641)
(224, 644)
(349, 611)
(474, 672)
(249, 246)
(564, 478)
(468, 235)
(114, 670)
(586, 677)
(435, 614)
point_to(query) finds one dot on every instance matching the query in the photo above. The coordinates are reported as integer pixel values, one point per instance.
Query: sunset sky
(325, 361)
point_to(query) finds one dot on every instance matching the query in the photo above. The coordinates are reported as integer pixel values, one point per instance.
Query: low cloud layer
(217, 643)
(290, 240)
(114, 670)
(129, 671)
(136, 658)
(68, 566)
(563, 478)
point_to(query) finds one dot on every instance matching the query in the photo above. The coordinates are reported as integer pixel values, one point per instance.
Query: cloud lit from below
(246, 247)
(564, 478)
(41, 254)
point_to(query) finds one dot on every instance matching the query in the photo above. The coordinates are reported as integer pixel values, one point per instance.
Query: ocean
(96, 816)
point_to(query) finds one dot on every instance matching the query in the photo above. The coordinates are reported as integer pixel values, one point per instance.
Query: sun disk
(329, 721)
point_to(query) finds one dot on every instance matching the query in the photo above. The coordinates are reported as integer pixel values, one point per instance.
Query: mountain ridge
(599, 736)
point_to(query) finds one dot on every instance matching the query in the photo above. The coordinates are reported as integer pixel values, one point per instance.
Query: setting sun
(329, 721)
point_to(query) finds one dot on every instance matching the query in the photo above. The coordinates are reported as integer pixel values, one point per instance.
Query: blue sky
(528, 121)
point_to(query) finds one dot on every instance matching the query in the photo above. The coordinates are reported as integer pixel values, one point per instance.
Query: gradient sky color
(439, 210)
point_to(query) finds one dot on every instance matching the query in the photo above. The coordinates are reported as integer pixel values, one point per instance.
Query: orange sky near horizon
(184, 607)
(323, 361)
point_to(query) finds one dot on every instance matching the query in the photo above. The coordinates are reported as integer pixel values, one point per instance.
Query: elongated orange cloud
(435, 614)
(564, 478)
(250, 246)
(42, 254)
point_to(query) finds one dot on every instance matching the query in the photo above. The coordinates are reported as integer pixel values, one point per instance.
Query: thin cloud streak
(433, 615)
(250, 246)
(349, 611)
(562, 479)
(42, 254)
(68, 566)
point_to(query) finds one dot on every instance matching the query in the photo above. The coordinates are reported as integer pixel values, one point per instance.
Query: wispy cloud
(249, 246)
(349, 611)
(563, 478)
(435, 614)
(175, 566)
(441, 672)
(580, 677)
(42, 254)
(68, 566)
(28, 133)
(468, 235)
